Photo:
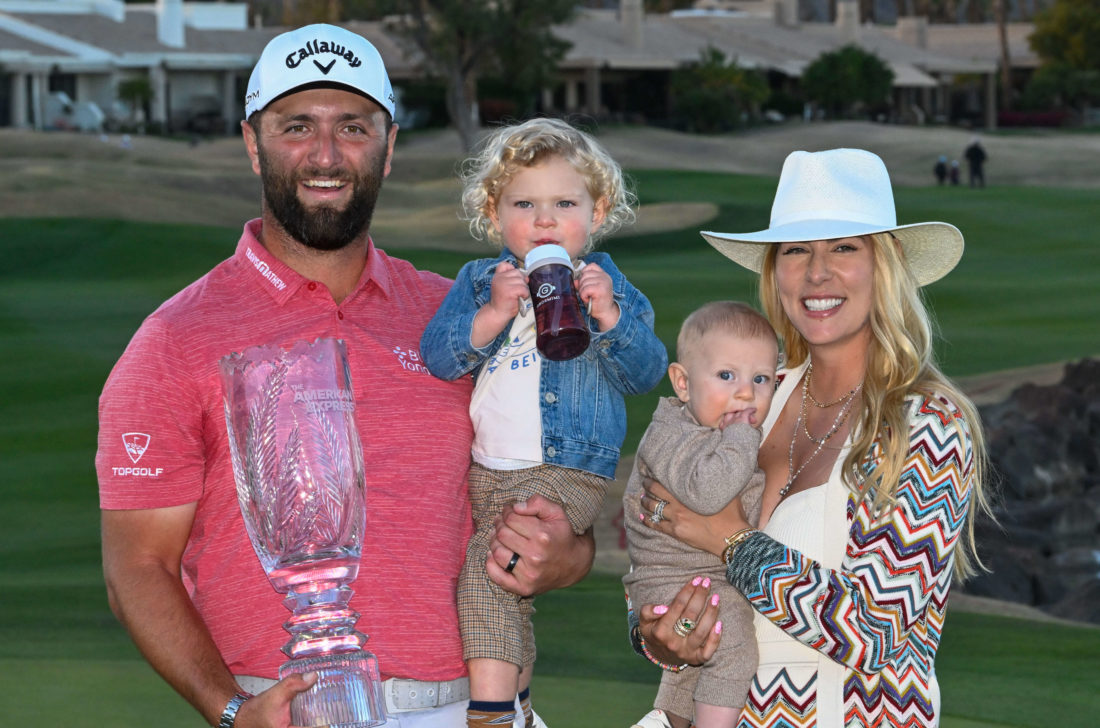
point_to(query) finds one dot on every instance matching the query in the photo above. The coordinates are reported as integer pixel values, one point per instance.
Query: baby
(702, 445)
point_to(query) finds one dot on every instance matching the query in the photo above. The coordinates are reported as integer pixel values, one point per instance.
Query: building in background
(64, 62)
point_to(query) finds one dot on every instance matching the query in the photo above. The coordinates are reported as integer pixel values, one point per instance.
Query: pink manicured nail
(697, 581)
(714, 600)
(706, 583)
(660, 609)
(641, 517)
(717, 628)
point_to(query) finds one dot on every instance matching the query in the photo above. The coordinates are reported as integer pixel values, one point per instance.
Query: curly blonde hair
(900, 363)
(515, 147)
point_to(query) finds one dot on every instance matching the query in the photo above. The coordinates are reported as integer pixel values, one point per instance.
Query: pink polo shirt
(162, 442)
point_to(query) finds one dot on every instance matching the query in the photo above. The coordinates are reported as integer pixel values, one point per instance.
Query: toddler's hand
(508, 288)
(594, 289)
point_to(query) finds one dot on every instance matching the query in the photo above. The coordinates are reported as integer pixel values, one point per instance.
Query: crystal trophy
(298, 464)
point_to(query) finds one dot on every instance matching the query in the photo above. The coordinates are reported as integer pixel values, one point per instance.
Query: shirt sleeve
(633, 359)
(703, 467)
(445, 345)
(150, 449)
(864, 615)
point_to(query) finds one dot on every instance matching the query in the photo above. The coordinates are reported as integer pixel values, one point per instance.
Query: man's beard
(323, 227)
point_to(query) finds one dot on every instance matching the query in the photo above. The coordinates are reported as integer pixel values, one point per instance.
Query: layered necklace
(801, 423)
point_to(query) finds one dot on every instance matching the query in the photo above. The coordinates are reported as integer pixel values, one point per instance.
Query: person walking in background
(953, 173)
(975, 162)
(702, 445)
(874, 465)
(940, 170)
(181, 574)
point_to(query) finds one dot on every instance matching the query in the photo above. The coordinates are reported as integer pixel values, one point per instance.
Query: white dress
(814, 522)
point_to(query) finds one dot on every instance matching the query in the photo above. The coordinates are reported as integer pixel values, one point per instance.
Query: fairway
(73, 292)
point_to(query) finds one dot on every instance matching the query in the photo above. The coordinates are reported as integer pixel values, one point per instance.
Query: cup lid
(545, 255)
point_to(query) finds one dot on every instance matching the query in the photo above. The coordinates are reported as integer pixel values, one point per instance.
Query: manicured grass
(72, 292)
(993, 671)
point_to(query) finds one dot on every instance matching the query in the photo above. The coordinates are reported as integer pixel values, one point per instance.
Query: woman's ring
(659, 510)
(512, 562)
(658, 514)
(683, 626)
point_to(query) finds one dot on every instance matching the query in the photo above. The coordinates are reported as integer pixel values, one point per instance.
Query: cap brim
(339, 85)
(932, 249)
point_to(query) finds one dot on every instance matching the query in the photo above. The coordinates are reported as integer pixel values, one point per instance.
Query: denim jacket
(581, 400)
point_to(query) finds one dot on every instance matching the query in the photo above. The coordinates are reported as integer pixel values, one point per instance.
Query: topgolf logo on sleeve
(136, 443)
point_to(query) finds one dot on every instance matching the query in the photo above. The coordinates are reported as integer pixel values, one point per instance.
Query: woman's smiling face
(827, 288)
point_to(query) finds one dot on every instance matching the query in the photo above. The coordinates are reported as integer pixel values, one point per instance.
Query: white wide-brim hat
(842, 193)
(318, 54)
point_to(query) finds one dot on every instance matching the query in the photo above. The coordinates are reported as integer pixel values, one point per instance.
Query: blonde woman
(874, 466)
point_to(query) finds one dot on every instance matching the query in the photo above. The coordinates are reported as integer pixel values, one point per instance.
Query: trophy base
(347, 694)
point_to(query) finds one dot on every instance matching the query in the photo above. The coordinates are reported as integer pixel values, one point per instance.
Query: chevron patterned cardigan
(881, 614)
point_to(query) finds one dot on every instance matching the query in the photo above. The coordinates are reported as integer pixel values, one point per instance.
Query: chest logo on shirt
(515, 359)
(136, 444)
(410, 360)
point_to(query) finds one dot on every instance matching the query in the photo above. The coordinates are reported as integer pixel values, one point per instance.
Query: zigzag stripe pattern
(781, 703)
(881, 614)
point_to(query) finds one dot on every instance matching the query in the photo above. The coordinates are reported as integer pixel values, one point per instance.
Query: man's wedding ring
(683, 626)
(512, 562)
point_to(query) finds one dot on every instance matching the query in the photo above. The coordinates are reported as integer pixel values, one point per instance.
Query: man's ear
(251, 144)
(391, 140)
(678, 375)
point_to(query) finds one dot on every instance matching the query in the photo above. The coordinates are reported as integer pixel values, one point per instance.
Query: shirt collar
(268, 272)
(376, 271)
(281, 281)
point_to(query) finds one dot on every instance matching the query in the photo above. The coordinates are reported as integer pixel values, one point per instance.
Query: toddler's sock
(482, 713)
(525, 705)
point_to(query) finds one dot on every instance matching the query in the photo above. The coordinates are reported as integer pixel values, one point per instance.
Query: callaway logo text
(315, 47)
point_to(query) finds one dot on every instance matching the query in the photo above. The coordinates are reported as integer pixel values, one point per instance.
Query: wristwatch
(229, 715)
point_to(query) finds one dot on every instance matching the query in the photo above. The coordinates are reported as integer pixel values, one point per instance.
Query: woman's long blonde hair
(900, 362)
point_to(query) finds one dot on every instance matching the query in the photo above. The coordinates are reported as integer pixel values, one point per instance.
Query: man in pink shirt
(181, 574)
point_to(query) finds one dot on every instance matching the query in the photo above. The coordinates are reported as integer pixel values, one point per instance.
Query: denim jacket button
(551, 451)
(605, 344)
(551, 398)
(471, 358)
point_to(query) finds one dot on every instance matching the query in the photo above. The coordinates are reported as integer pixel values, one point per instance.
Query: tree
(847, 79)
(715, 94)
(136, 92)
(464, 40)
(1067, 39)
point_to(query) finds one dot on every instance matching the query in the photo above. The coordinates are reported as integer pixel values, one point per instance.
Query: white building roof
(75, 34)
(600, 39)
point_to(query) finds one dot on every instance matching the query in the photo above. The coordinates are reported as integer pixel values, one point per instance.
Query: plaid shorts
(496, 624)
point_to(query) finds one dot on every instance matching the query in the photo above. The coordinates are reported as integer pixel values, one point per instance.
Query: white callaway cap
(318, 54)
